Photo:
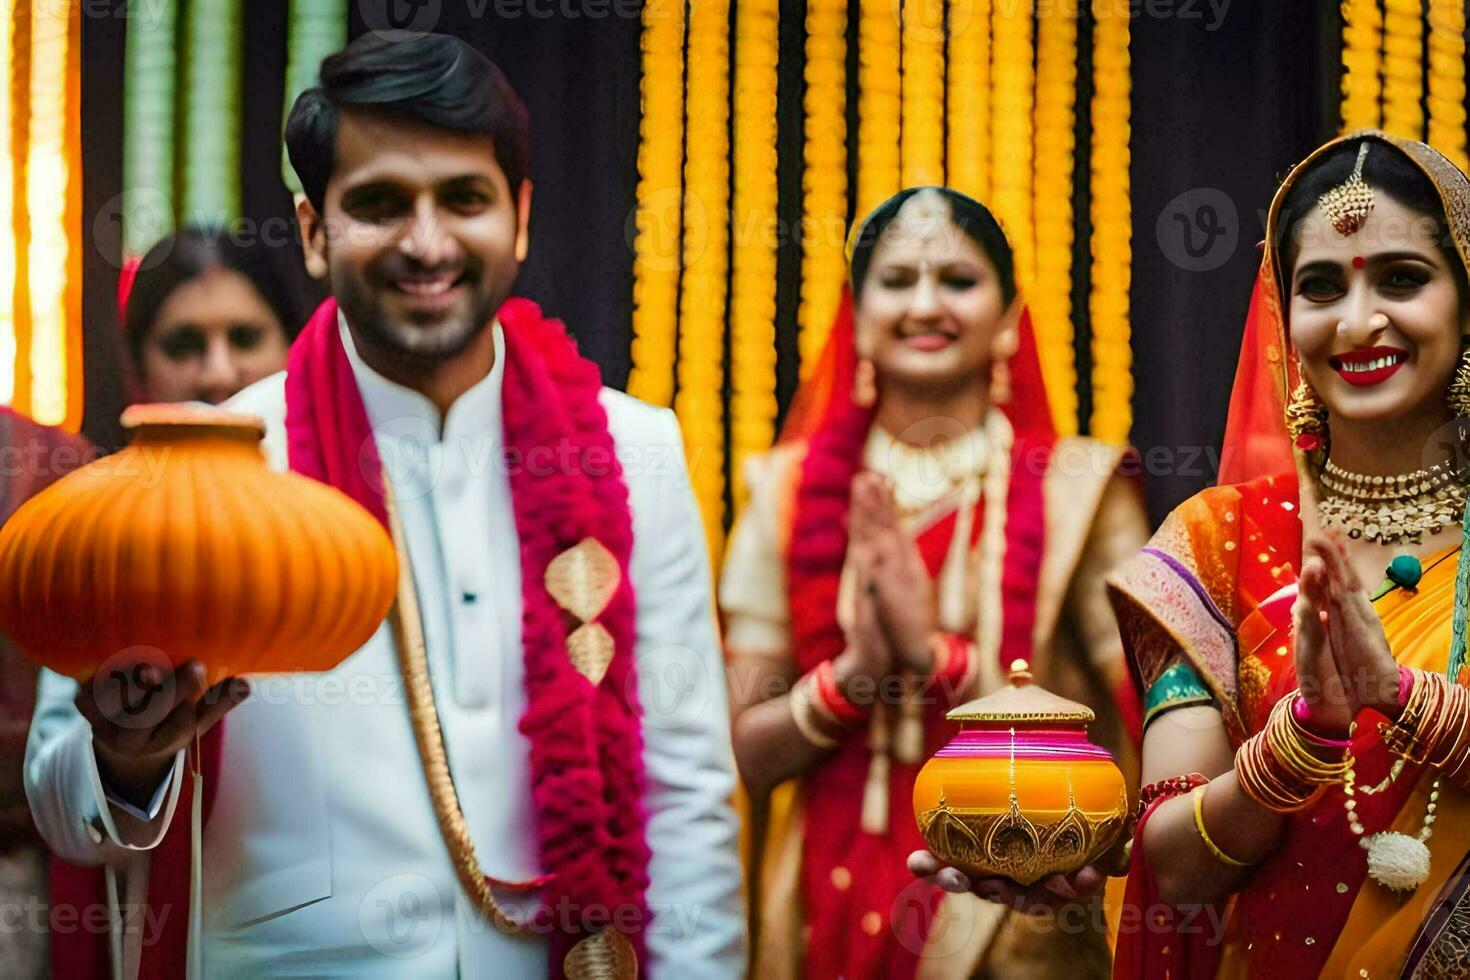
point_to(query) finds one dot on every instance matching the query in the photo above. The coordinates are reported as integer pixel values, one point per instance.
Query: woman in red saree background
(918, 526)
(1284, 833)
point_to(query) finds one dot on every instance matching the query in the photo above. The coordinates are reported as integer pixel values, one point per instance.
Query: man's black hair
(435, 78)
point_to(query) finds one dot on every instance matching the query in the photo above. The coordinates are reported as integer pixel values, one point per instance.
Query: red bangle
(1165, 789)
(952, 654)
(824, 675)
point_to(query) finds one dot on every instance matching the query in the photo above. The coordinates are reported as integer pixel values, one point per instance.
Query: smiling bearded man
(582, 824)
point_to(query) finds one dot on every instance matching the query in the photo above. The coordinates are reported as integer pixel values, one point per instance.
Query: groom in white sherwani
(592, 775)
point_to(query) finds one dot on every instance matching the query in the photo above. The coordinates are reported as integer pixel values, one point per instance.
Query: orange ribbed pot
(188, 542)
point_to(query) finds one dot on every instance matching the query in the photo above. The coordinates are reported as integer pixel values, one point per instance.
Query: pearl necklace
(1395, 860)
(1393, 509)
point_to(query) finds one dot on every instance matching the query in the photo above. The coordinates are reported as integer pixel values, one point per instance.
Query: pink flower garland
(586, 743)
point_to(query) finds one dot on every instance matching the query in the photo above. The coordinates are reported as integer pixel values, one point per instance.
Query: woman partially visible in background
(204, 316)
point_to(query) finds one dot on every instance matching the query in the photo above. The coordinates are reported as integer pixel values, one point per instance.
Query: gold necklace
(924, 475)
(1392, 509)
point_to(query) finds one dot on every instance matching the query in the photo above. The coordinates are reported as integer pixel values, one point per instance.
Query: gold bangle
(803, 714)
(1408, 736)
(1199, 825)
(1299, 758)
(1260, 779)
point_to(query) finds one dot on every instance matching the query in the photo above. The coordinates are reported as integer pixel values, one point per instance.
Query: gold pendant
(583, 579)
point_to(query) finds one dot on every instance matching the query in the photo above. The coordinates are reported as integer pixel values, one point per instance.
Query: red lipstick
(1370, 365)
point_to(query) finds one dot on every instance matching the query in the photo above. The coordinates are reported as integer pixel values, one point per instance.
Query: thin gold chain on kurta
(408, 639)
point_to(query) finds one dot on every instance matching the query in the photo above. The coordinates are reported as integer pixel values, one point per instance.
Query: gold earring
(1458, 395)
(865, 384)
(1000, 382)
(1306, 418)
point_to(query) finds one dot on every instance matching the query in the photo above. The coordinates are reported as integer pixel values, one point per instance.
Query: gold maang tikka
(1348, 204)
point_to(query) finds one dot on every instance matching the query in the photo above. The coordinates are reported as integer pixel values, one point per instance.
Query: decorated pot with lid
(1020, 792)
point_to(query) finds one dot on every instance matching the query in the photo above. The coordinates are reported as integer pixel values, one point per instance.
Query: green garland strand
(211, 178)
(316, 28)
(148, 127)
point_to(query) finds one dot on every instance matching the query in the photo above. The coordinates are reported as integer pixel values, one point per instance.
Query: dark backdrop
(1217, 114)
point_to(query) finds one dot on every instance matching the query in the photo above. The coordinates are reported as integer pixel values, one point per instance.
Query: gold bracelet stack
(1283, 767)
(1431, 728)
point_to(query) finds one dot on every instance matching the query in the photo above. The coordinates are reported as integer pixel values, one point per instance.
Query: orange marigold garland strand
(1108, 310)
(656, 248)
(699, 403)
(1447, 79)
(1362, 54)
(1013, 94)
(753, 283)
(968, 77)
(1403, 68)
(824, 178)
(1051, 297)
(878, 104)
(921, 141)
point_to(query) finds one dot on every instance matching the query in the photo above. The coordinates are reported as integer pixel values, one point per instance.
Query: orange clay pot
(187, 542)
(1020, 793)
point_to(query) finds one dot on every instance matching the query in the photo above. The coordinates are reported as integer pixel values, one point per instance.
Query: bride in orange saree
(919, 525)
(1306, 733)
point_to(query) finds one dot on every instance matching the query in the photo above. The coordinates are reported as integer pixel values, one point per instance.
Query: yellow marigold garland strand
(656, 249)
(699, 403)
(1403, 68)
(1447, 79)
(921, 141)
(52, 173)
(753, 284)
(968, 70)
(824, 178)
(1112, 380)
(1051, 295)
(878, 104)
(1012, 94)
(10, 326)
(1362, 53)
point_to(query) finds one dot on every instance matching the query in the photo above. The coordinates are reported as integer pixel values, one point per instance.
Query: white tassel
(1398, 861)
(196, 873)
(114, 917)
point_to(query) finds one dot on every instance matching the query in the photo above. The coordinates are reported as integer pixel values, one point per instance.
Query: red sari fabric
(871, 918)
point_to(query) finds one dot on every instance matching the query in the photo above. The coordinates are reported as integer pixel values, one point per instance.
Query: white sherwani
(322, 856)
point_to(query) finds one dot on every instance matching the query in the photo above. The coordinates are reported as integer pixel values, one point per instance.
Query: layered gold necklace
(1393, 509)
